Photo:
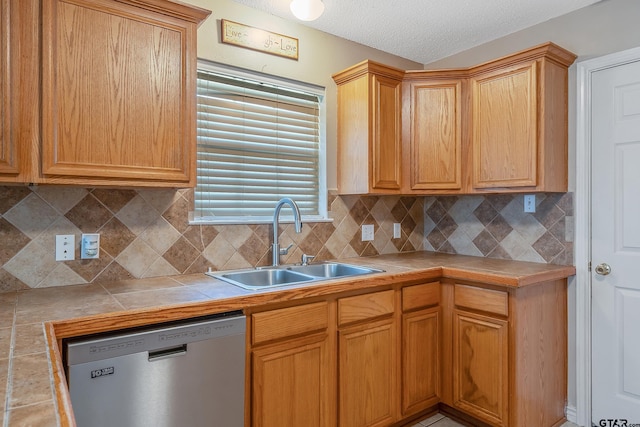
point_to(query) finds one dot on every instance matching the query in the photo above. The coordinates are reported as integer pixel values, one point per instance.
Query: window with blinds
(257, 142)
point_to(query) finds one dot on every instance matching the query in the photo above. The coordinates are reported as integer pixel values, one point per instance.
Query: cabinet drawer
(482, 299)
(275, 324)
(419, 296)
(362, 307)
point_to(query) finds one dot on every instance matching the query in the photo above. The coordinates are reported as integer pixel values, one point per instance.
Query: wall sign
(260, 40)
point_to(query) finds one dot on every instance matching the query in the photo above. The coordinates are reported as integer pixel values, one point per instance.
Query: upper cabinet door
(387, 133)
(435, 148)
(119, 90)
(8, 152)
(505, 128)
(369, 129)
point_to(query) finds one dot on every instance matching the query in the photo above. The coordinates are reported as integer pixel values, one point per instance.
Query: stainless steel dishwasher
(186, 374)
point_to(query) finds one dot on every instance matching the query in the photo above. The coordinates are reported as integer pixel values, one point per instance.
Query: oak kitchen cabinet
(7, 148)
(433, 133)
(500, 126)
(369, 129)
(505, 352)
(293, 366)
(492, 353)
(368, 363)
(519, 125)
(420, 347)
(481, 353)
(117, 98)
(356, 360)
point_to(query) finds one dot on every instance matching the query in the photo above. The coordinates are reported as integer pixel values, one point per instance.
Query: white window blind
(257, 142)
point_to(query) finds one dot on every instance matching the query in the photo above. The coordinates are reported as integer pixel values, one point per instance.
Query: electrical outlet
(65, 247)
(530, 203)
(367, 233)
(397, 233)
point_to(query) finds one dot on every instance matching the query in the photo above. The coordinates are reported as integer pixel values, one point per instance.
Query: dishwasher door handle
(165, 353)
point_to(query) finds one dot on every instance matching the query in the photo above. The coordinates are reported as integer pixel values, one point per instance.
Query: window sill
(244, 221)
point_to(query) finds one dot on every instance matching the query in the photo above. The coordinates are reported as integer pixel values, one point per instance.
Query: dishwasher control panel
(81, 350)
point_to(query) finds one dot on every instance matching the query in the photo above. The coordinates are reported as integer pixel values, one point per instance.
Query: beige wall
(603, 28)
(321, 55)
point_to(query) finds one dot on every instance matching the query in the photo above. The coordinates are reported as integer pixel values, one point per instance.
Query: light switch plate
(65, 247)
(367, 233)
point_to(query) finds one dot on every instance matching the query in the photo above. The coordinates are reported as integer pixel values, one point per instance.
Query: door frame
(585, 70)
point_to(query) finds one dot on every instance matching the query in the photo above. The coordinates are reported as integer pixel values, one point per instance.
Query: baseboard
(571, 413)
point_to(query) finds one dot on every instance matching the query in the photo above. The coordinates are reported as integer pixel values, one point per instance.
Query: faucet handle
(285, 251)
(306, 259)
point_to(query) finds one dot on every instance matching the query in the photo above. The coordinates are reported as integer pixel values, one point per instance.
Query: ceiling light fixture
(307, 10)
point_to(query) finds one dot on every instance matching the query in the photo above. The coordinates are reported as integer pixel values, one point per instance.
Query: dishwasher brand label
(102, 372)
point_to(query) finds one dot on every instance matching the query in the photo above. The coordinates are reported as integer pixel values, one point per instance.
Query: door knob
(603, 269)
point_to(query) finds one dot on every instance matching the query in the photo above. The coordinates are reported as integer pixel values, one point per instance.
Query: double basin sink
(267, 277)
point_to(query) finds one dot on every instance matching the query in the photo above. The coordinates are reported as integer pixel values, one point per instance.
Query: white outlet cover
(367, 232)
(65, 247)
(397, 232)
(530, 203)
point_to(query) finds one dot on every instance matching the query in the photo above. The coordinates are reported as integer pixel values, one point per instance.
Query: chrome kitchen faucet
(298, 224)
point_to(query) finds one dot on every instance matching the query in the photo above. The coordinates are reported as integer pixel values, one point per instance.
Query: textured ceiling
(425, 30)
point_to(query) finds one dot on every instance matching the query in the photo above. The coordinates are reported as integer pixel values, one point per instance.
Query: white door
(615, 234)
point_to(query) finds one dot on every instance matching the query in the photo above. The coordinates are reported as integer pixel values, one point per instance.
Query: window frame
(286, 215)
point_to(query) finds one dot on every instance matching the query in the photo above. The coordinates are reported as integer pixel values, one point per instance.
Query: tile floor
(439, 420)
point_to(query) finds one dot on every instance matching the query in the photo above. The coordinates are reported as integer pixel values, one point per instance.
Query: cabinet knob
(603, 269)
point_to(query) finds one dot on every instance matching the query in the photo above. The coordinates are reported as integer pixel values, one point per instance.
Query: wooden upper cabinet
(118, 93)
(433, 160)
(369, 129)
(8, 153)
(505, 128)
(500, 126)
(519, 125)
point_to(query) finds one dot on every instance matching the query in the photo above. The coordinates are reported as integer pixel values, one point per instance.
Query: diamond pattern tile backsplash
(145, 232)
(496, 226)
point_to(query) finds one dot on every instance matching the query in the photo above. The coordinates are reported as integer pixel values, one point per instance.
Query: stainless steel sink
(332, 270)
(256, 279)
(261, 278)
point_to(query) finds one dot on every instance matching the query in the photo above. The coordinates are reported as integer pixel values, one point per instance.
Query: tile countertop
(31, 322)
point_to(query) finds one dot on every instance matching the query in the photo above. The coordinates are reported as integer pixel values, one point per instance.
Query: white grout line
(52, 382)
(7, 398)
(432, 420)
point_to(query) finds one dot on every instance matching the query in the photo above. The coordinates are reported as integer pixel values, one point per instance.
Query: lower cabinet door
(420, 360)
(480, 367)
(292, 384)
(367, 371)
